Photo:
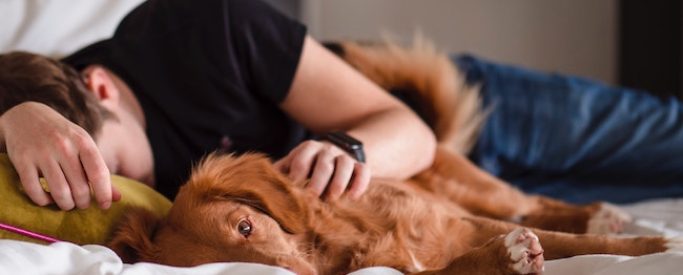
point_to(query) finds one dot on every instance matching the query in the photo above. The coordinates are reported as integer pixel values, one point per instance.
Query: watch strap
(348, 143)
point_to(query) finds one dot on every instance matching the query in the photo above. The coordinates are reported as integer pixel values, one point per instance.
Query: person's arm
(41, 142)
(326, 95)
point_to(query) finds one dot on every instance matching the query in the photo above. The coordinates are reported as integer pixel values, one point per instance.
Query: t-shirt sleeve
(268, 44)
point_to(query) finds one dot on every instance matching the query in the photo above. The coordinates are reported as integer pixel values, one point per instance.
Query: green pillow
(80, 226)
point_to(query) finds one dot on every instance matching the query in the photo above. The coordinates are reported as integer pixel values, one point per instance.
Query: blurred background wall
(576, 36)
(627, 42)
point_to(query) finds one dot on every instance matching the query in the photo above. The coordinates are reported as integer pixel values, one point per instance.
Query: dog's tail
(427, 81)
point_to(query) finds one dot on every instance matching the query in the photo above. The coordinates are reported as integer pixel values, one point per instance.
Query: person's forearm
(397, 143)
(328, 94)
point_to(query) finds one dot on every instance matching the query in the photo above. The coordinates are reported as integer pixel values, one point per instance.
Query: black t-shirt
(209, 75)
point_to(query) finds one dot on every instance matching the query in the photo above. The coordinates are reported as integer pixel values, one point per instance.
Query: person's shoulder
(246, 4)
(158, 17)
(186, 10)
(237, 7)
(249, 9)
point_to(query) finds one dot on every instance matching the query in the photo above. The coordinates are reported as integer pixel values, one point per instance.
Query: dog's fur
(448, 219)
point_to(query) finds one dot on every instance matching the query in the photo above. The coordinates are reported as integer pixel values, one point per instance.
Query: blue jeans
(576, 139)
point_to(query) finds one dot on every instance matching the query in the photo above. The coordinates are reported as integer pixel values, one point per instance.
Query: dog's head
(233, 209)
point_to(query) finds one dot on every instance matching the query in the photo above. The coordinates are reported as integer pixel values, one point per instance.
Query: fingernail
(105, 205)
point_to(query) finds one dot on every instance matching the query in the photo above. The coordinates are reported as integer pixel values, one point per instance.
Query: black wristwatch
(351, 145)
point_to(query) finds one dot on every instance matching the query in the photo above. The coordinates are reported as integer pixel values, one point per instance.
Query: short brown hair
(29, 77)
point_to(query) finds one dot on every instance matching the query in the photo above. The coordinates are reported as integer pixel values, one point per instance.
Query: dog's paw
(525, 251)
(608, 219)
(674, 244)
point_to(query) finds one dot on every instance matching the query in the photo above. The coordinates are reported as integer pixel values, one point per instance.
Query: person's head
(29, 77)
(94, 99)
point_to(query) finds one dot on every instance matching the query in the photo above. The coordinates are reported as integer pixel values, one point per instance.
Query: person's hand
(41, 142)
(332, 172)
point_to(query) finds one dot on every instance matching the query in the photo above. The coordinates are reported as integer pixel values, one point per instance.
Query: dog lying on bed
(450, 219)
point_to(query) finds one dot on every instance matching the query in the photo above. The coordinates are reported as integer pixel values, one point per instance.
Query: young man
(185, 78)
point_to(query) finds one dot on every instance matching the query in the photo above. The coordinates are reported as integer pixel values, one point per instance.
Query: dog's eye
(244, 227)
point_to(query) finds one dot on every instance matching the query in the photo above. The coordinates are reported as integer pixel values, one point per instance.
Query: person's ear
(99, 81)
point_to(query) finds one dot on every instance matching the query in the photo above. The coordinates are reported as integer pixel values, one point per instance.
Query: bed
(662, 217)
(56, 28)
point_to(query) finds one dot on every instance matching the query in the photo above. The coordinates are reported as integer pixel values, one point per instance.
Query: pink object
(26, 233)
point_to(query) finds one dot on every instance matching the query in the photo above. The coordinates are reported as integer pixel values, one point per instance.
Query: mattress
(659, 217)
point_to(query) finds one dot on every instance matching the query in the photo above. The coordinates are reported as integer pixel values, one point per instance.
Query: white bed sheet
(662, 217)
(58, 27)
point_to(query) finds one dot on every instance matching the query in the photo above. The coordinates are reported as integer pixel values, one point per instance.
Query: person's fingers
(302, 160)
(282, 164)
(75, 176)
(343, 171)
(28, 175)
(97, 175)
(361, 180)
(115, 194)
(322, 172)
(59, 188)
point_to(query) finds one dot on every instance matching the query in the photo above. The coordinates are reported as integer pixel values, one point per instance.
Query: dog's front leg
(560, 244)
(518, 252)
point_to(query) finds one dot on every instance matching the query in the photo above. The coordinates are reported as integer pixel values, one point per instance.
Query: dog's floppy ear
(132, 240)
(251, 179)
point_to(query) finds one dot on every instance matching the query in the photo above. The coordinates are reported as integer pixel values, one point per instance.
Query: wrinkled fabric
(574, 138)
(660, 217)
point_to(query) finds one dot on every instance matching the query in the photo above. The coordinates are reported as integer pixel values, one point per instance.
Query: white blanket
(57, 28)
(662, 217)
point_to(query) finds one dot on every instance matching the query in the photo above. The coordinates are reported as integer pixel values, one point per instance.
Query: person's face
(122, 141)
(125, 148)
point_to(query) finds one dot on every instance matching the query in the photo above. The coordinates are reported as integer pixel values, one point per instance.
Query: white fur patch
(417, 265)
(675, 244)
(608, 220)
(518, 243)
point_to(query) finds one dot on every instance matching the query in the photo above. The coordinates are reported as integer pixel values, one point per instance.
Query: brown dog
(449, 219)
